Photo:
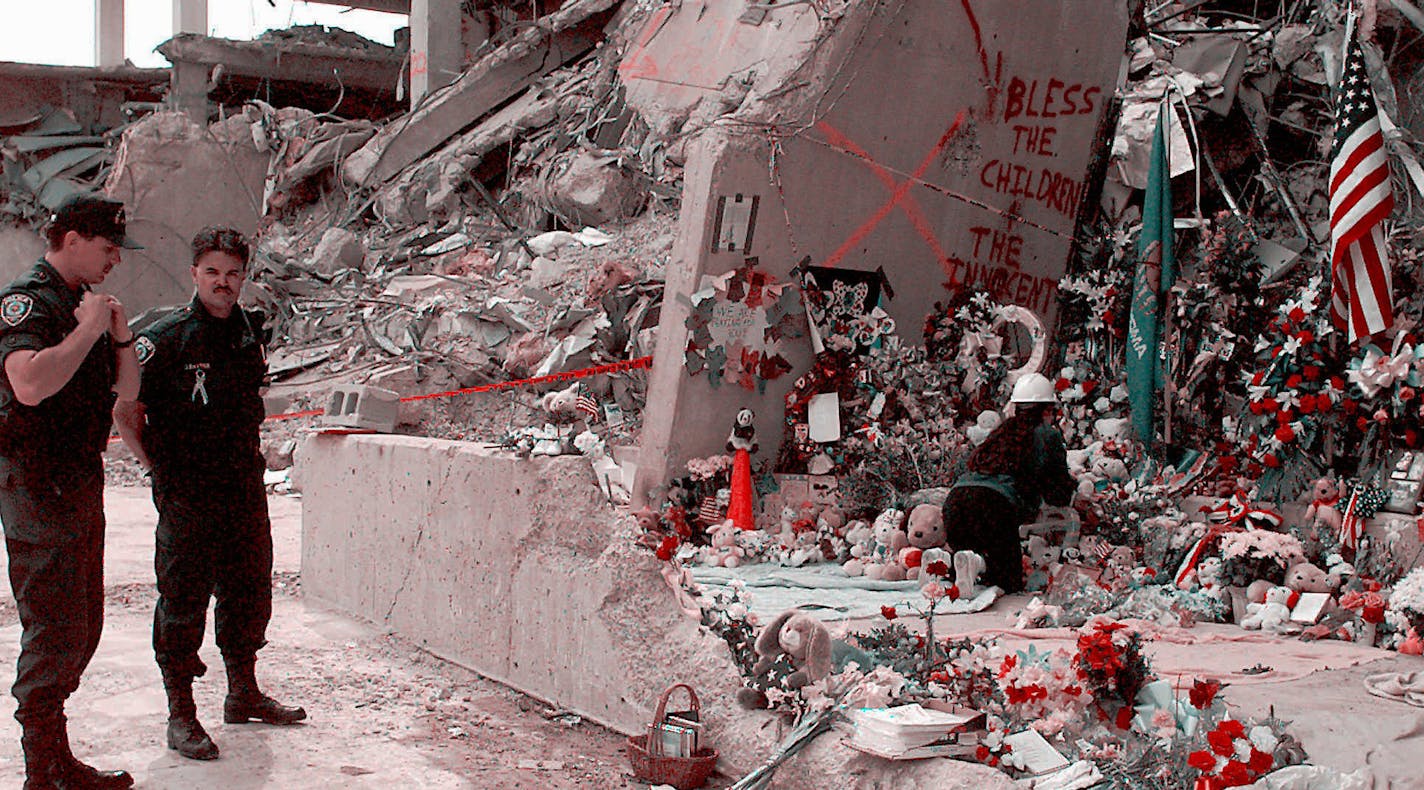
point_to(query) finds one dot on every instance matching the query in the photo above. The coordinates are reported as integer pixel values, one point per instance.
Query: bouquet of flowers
(1110, 660)
(1406, 604)
(1254, 554)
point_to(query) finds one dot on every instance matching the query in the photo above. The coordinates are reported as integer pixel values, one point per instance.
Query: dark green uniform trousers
(214, 541)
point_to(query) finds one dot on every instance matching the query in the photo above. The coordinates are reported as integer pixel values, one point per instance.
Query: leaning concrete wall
(518, 570)
(948, 144)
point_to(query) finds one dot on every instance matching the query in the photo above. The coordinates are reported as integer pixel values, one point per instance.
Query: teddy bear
(724, 550)
(968, 567)
(859, 536)
(562, 405)
(1271, 615)
(883, 562)
(1117, 569)
(983, 425)
(830, 534)
(806, 644)
(923, 530)
(1041, 560)
(1324, 512)
(743, 436)
(1305, 577)
(786, 527)
(1210, 578)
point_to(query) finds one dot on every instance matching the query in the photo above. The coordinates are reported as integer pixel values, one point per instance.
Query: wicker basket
(684, 773)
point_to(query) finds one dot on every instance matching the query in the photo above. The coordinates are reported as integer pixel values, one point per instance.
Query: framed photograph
(1404, 477)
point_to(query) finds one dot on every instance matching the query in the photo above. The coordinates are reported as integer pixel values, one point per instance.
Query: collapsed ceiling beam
(388, 6)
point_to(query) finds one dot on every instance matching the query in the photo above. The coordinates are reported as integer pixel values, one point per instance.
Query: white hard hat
(1033, 388)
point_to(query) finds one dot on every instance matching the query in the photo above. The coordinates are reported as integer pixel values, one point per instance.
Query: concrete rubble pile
(444, 273)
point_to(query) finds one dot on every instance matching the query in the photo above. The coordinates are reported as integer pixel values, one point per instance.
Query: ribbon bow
(1239, 512)
(1379, 371)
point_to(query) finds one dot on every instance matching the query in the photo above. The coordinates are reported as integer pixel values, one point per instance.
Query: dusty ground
(383, 713)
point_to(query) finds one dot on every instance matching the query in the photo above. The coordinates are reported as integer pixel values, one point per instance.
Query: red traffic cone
(740, 510)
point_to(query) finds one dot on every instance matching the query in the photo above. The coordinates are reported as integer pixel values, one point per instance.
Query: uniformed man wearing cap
(195, 426)
(67, 350)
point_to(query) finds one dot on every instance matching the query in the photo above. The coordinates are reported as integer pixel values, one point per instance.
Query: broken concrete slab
(374, 68)
(338, 249)
(498, 77)
(594, 189)
(176, 177)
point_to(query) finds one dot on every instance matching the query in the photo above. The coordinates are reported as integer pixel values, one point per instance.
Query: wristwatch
(133, 338)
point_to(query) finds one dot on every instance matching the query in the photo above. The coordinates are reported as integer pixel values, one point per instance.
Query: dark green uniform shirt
(56, 445)
(202, 393)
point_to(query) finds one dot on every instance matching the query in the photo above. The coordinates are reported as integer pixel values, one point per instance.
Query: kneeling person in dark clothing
(1019, 466)
(195, 426)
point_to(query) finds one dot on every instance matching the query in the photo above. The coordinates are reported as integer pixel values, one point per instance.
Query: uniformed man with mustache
(195, 426)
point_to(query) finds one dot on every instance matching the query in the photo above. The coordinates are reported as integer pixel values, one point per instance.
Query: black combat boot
(185, 734)
(245, 701)
(49, 765)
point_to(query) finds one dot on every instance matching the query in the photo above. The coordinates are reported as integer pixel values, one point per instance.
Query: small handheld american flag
(586, 404)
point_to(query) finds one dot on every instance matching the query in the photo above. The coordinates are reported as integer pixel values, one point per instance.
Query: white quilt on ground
(826, 592)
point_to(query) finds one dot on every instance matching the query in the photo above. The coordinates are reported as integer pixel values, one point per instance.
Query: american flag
(586, 404)
(1361, 299)
(1351, 524)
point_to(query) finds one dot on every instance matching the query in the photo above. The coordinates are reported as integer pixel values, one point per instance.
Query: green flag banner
(1156, 271)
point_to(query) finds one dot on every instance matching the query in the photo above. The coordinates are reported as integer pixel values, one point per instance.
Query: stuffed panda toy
(743, 435)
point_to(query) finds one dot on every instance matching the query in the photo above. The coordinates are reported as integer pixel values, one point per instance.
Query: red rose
(1294, 380)
(1323, 403)
(1312, 372)
(1373, 614)
(1270, 460)
(1233, 728)
(1089, 386)
(953, 592)
(1337, 383)
(1271, 405)
(1296, 314)
(1306, 336)
(888, 612)
(666, 549)
(1062, 384)
(982, 753)
(1307, 404)
(1257, 409)
(1349, 405)
(1285, 434)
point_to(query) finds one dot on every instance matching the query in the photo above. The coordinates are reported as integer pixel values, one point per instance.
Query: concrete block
(594, 190)
(362, 407)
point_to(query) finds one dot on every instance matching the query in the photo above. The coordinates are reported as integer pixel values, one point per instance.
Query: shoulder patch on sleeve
(15, 308)
(143, 348)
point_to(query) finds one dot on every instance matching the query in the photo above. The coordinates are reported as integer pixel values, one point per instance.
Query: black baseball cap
(94, 215)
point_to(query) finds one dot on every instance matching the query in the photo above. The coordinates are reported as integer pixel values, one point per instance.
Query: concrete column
(435, 46)
(189, 82)
(108, 33)
(190, 16)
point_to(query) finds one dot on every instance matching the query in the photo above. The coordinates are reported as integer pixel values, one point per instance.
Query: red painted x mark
(900, 196)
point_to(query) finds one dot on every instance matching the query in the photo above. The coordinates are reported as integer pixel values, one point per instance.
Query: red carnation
(1233, 728)
(1271, 461)
(1221, 743)
(1312, 372)
(1203, 693)
(1296, 314)
(1285, 434)
(1284, 416)
(888, 612)
(982, 753)
(953, 592)
(1261, 762)
(667, 548)
(1306, 336)
(937, 568)
(1271, 405)
(1089, 386)
(1337, 383)
(1235, 774)
(1124, 717)
(1062, 384)
(1202, 760)
(1257, 409)
(1307, 404)
(1294, 380)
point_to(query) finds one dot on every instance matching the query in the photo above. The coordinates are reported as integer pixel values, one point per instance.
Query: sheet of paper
(1038, 755)
(823, 414)
(1310, 606)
